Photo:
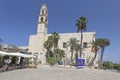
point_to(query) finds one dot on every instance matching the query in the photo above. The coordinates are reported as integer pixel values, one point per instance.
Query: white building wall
(87, 37)
(33, 43)
(36, 46)
(36, 41)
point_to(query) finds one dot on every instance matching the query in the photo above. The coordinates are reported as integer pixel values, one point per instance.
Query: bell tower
(43, 20)
(36, 42)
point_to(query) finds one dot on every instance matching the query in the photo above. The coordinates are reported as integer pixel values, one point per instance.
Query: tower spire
(43, 20)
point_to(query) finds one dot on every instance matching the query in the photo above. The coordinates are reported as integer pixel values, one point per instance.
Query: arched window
(85, 44)
(41, 19)
(42, 12)
(45, 19)
(64, 45)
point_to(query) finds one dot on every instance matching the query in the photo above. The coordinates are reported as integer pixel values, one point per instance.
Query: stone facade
(36, 41)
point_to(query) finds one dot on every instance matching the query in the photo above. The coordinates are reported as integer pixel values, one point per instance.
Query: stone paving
(45, 72)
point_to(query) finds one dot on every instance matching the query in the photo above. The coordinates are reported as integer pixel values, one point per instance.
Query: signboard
(80, 62)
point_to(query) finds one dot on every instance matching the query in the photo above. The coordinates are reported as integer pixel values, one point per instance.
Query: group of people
(23, 63)
(20, 63)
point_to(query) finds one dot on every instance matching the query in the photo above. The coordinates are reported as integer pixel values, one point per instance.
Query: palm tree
(52, 42)
(95, 50)
(81, 26)
(55, 39)
(102, 44)
(59, 54)
(77, 49)
(48, 45)
(71, 44)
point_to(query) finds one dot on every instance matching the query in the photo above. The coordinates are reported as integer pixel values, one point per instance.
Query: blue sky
(18, 20)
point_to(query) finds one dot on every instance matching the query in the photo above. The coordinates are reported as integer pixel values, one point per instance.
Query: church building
(36, 42)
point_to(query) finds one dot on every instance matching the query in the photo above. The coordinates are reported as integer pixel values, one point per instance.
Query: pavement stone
(45, 72)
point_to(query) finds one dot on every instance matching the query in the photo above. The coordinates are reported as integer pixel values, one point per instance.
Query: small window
(46, 20)
(64, 45)
(85, 44)
(42, 19)
(42, 12)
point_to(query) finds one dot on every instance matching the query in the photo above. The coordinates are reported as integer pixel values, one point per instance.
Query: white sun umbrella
(16, 54)
(22, 55)
(3, 53)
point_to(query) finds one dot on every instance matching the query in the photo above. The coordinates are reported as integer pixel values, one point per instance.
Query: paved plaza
(45, 72)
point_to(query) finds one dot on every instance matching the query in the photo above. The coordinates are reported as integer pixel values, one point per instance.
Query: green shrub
(108, 65)
(74, 64)
(96, 67)
(13, 60)
(52, 61)
(117, 66)
(6, 57)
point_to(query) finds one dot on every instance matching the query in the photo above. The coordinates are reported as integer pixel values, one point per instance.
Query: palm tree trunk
(71, 59)
(54, 52)
(55, 47)
(81, 43)
(48, 53)
(90, 64)
(101, 58)
(76, 57)
(57, 44)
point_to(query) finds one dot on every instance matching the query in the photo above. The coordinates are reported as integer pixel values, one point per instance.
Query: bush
(96, 67)
(117, 66)
(108, 65)
(14, 58)
(52, 61)
(74, 64)
(6, 57)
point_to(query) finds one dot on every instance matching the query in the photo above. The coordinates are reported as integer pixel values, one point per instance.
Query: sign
(80, 62)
